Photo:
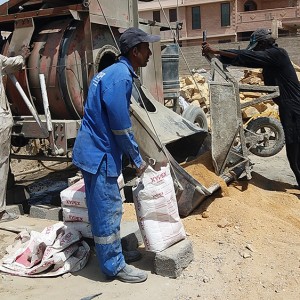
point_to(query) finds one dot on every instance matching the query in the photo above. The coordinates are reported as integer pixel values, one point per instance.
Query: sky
(2, 1)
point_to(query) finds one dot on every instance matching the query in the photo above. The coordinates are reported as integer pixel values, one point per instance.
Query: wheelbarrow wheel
(269, 134)
(196, 115)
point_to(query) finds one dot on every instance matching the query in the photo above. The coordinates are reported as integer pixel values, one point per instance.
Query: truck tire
(196, 115)
(273, 140)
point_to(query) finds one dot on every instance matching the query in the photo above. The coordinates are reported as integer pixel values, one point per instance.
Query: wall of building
(265, 4)
(166, 35)
(211, 23)
(241, 24)
(275, 4)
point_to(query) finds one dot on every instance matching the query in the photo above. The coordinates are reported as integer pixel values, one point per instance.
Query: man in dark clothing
(262, 52)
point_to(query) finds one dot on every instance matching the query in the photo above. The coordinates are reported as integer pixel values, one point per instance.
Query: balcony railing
(247, 21)
(268, 15)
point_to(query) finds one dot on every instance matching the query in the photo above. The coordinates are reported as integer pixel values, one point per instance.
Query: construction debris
(195, 90)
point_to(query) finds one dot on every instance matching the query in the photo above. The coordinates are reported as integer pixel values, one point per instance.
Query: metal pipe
(47, 113)
(41, 157)
(45, 102)
(27, 102)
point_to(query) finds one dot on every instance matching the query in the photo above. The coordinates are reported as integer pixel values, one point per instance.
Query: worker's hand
(25, 51)
(206, 49)
(141, 169)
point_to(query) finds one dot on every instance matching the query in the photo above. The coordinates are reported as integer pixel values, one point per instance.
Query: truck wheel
(196, 115)
(271, 133)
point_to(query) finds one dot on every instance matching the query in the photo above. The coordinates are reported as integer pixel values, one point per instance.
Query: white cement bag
(82, 227)
(74, 195)
(54, 251)
(75, 214)
(157, 210)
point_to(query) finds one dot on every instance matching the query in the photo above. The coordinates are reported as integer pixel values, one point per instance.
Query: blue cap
(133, 36)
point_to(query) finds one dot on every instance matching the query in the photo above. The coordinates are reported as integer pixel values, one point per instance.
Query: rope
(111, 32)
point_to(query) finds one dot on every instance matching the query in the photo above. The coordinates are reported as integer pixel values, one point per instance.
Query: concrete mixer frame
(70, 41)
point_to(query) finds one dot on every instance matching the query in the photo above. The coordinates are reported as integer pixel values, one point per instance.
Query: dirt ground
(246, 246)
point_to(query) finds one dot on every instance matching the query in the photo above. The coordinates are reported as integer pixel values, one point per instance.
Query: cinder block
(171, 262)
(48, 212)
(16, 209)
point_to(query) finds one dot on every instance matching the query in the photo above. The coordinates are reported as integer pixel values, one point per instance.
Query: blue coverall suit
(104, 136)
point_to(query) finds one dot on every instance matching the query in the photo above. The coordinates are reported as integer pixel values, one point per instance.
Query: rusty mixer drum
(59, 52)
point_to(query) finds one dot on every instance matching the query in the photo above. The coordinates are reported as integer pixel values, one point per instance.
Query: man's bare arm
(207, 50)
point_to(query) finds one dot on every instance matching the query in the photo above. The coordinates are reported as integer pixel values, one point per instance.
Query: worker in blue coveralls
(104, 136)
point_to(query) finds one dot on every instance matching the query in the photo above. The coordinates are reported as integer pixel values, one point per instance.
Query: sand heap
(202, 170)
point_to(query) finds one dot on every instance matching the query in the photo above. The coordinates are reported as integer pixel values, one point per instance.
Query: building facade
(224, 21)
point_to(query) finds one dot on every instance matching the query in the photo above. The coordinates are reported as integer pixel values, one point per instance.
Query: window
(292, 3)
(250, 6)
(172, 15)
(225, 14)
(196, 17)
(156, 15)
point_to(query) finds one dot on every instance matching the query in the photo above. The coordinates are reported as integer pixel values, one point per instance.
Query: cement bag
(82, 227)
(74, 195)
(157, 210)
(75, 214)
(54, 251)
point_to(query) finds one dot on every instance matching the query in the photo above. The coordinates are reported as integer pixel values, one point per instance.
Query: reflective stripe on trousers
(104, 204)
(123, 131)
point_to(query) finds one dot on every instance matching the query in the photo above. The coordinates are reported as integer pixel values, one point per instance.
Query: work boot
(131, 274)
(131, 256)
(6, 216)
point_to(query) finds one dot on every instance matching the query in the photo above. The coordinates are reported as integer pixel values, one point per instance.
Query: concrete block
(171, 262)
(16, 209)
(48, 212)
